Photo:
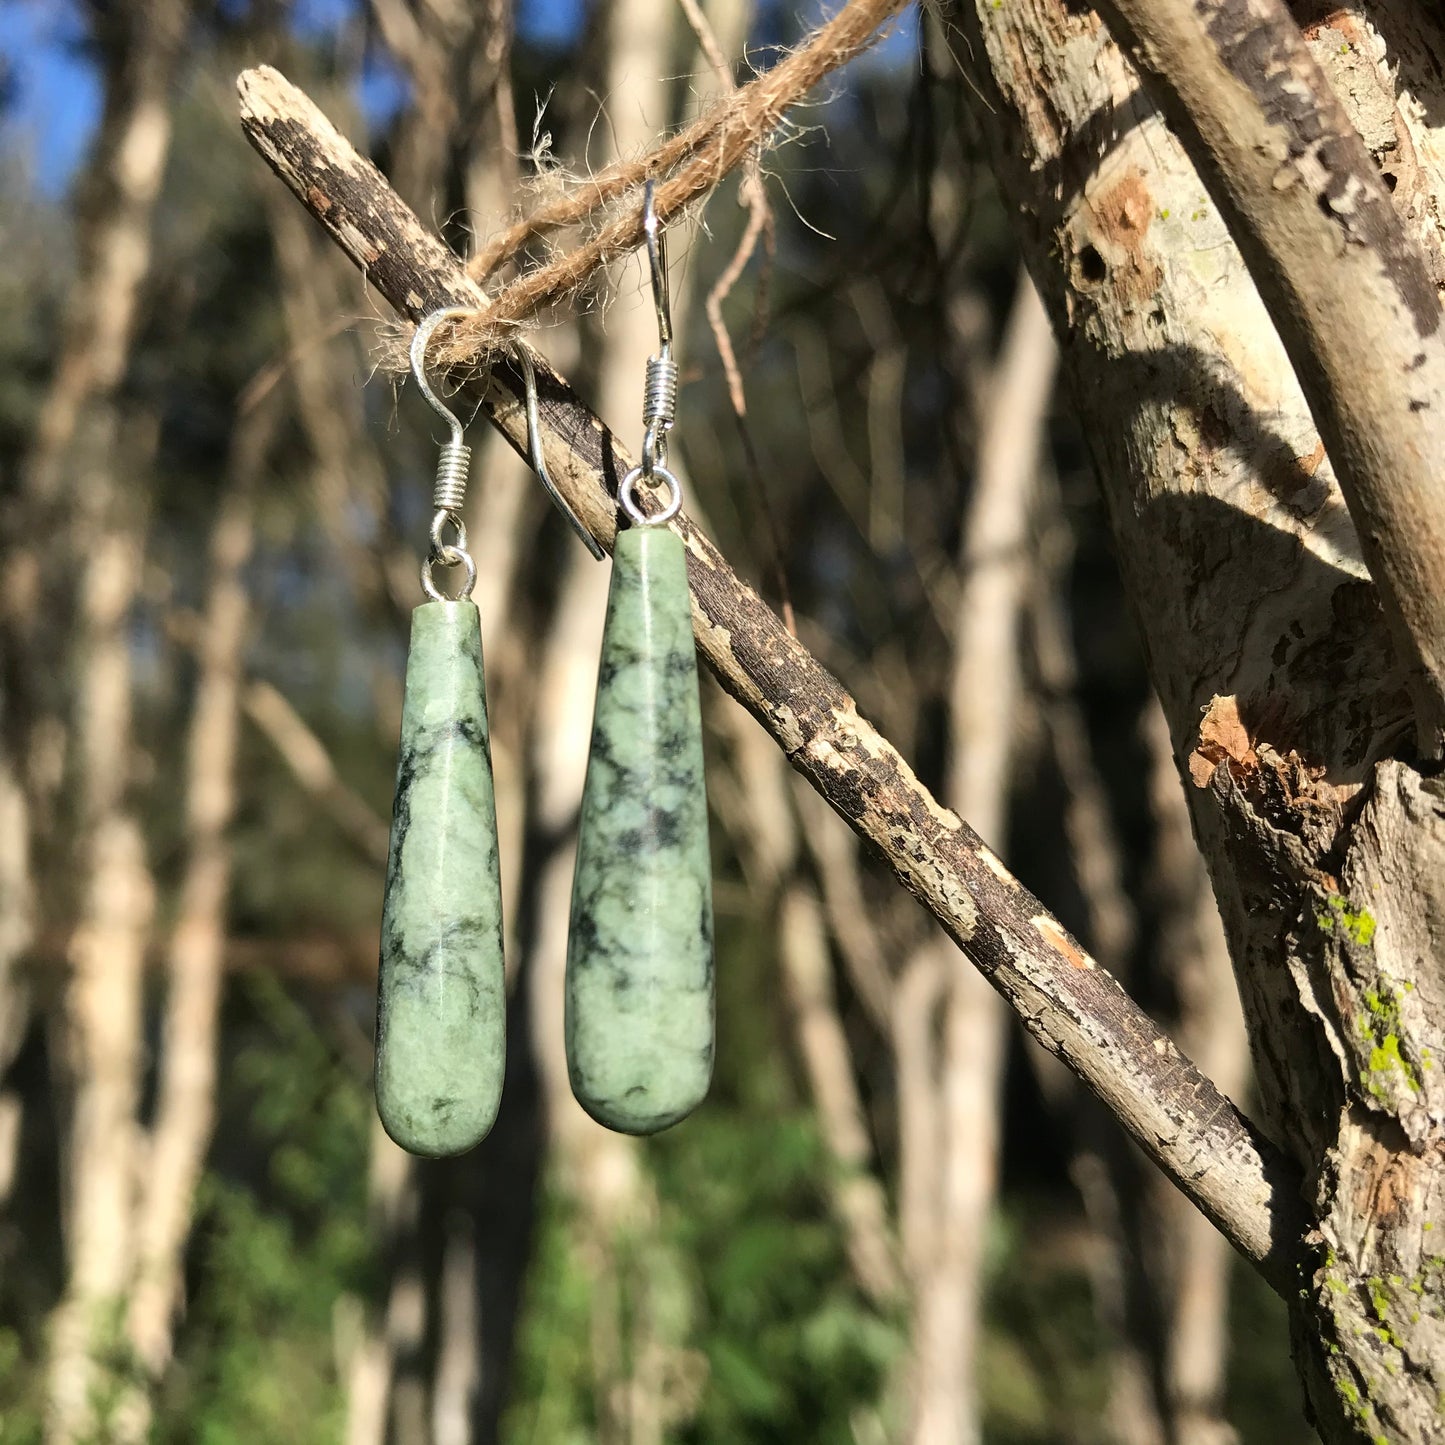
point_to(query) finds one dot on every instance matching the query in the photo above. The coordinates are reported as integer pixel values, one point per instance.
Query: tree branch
(1074, 1008)
(1344, 285)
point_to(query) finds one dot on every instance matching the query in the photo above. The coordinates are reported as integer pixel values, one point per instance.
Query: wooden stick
(1073, 1007)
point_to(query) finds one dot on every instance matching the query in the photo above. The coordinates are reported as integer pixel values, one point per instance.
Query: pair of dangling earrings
(639, 988)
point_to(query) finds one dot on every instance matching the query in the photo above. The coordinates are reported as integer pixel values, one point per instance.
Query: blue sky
(57, 99)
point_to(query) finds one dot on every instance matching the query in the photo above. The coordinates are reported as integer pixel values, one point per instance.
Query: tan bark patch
(1060, 942)
(995, 865)
(1019, 66)
(1384, 1188)
(1223, 738)
(1311, 464)
(1123, 214)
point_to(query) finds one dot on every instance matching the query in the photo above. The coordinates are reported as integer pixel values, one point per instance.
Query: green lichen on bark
(1380, 1027)
(1357, 924)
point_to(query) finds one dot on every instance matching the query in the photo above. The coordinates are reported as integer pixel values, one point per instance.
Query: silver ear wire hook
(454, 466)
(421, 339)
(657, 264)
(456, 459)
(539, 462)
(659, 400)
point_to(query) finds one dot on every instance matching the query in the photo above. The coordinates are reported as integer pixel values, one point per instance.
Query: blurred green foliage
(282, 1251)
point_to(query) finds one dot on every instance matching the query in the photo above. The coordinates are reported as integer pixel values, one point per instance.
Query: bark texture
(1065, 1000)
(1311, 215)
(1273, 658)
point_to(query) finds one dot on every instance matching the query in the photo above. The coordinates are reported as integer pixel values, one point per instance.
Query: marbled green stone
(441, 1005)
(639, 956)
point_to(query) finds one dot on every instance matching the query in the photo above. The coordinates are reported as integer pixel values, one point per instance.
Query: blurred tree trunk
(759, 814)
(601, 1173)
(186, 1104)
(984, 694)
(138, 50)
(1191, 1262)
(115, 198)
(858, 1200)
(1103, 1166)
(1162, 1275)
(392, 1214)
(99, 1033)
(642, 1369)
(433, 42)
(1269, 648)
(82, 437)
(490, 158)
(17, 927)
(349, 486)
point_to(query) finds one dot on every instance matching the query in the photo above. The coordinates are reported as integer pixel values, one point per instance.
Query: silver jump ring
(626, 496)
(448, 554)
(438, 544)
(449, 559)
(654, 450)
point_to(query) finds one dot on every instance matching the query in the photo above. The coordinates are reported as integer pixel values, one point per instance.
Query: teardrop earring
(441, 1004)
(639, 992)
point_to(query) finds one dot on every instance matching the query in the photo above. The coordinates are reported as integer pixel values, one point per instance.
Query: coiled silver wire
(659, 399)
(454, 468)
(659, 410)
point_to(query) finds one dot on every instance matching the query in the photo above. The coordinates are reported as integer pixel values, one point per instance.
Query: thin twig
(311, 765)
(751, 193)
(760, 224)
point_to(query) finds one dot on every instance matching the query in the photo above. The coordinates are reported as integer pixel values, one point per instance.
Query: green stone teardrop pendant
(441, 1004)
(639, 1015)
